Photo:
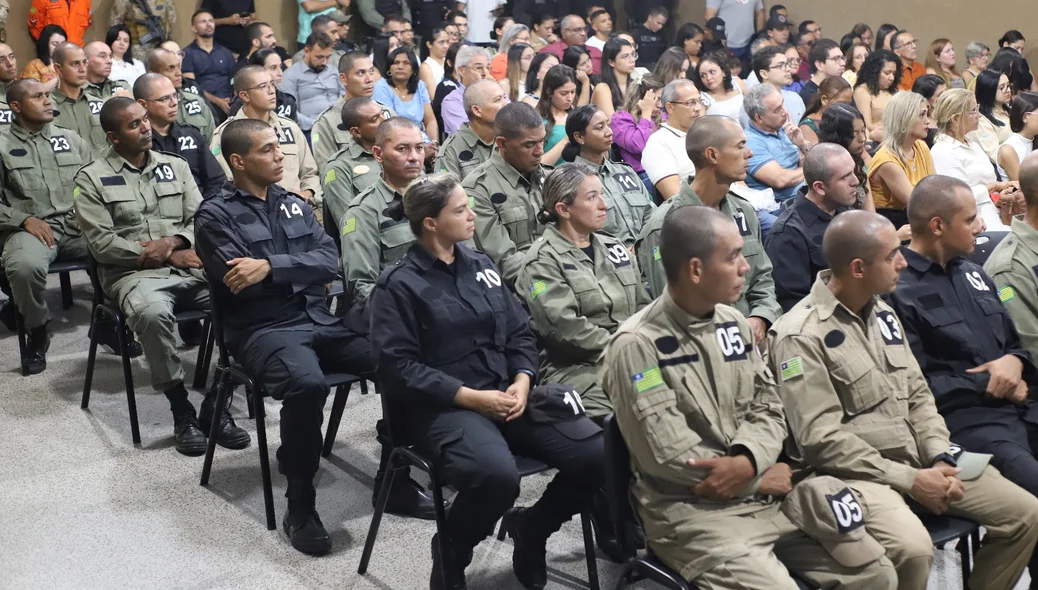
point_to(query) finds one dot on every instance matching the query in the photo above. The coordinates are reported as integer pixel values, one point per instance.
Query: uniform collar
(680, 316)
(385, 190)
(274, 193)
(63, 98)
(425, 260)
(471, 137)
(596, 167)
(561, 243)
(923, 265)
(355, 150)
(826, 303)
(118, 162)
(24, 134)
(271, 120)
(511, 174)
(106, 86)
(808, 210)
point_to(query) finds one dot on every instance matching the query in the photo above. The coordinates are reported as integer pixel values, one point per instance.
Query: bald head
(387, 127)
(64, 52)
(817, 163)
(145, 88)
(478, 94)
(95, 47)
(709, 131)
(854, 235)
(21, 88)
(935, 196)
(1028, 179)
(156, 58)
(688, 232)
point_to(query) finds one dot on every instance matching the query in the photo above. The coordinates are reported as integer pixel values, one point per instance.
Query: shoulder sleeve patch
(656, 253)
(350, 226)
(75, 193)
(792, 368)
(329, 176)
(647, 379)
(537, 288)
(1007, 293)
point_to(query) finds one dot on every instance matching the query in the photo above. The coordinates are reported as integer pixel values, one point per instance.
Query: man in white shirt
(772, 67)
(602, 24)
(665, 158)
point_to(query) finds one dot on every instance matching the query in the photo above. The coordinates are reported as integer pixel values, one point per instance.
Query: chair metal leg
(364, 387)
(380, 508)
(441, 527)
(66, 290)
(23, 344)
(249, 402)
(261, 441)
(342, 393)
(131, 400)
(210, 447)
(963, 547)
(91, 358)
(202, 362)
(589, 551)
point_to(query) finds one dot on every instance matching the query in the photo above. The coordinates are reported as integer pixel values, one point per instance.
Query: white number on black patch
(285, 110)
(187, 143)
(489, 277)
(889, 328)
(295, 210)
(95, 107)
(192, 107)
(618, 255)
(847, 511)
(59, 144)
(6, 117)
(627, 181)
(733, 347)
(976, 281)
(286, 136)
(164, 173)
(572, 399)
(740, 220)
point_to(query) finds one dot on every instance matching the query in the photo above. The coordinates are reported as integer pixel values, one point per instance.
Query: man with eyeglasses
(8, 74)
(665, 158)
(156, 94)
(826, 62)
(473, 65)
(192, 109)
(905, 45)
(773, 67)
(574, 32)
(256, 89)
(313, 81)
(98, 70)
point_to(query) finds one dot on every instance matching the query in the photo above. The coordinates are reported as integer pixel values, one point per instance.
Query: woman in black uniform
(454, 346)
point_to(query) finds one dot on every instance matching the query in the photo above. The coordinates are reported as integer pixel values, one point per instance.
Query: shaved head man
(944, 218)
(78, 105)
(191, 108)
(8, 74)
(98, 70)
(473, 143)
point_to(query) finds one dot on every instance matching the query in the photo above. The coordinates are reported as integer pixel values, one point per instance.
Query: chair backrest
(618, 485)
(331, 227)
(986, 242)
(95, 280)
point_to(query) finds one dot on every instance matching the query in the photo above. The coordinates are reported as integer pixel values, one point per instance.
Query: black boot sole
(315, 547)
(192, 449)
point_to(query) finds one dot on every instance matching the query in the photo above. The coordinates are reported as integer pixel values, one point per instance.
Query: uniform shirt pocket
(855, 385)
(170, 199)
(297, 234)
(659, 415)
(122, 205)
(395, 241)
(22, 173)
(515, 220)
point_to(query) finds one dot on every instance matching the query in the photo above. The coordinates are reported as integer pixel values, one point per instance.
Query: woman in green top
(831, 91)
(558, 91)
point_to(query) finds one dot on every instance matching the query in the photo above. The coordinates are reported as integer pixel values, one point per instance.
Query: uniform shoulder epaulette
(477, 174)
(387, 272)
(362, 195)
(792, 322)
(173, 156)
(191, 95)
(1003, 256)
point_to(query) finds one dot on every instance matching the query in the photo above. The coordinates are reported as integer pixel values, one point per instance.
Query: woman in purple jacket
(633, 125)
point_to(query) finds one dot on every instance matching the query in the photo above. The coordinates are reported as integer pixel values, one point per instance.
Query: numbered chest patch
(740, 220)
(285, 110)
(285, 136)
(489, 278)
(847, 511)
(6, 116)
(729, 338)
(193, 107)
(889, 328)
(627, 181)
(164, 173)
(59, 144)
(187, 143)
(618, 255)
(95, 106)
(976, 281)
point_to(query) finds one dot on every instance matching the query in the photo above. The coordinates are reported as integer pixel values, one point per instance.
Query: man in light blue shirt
(315, 85)
(776, 142)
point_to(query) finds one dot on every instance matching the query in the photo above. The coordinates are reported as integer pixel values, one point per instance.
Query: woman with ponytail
(578, 283)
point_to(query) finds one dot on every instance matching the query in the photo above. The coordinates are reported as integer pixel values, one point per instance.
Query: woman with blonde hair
(941, 60)
(903, 158)
(639, 118)
(512, 35)
(955, 155)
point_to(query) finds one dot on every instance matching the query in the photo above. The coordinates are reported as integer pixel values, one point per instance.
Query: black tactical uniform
(187, 142)
(794, 246)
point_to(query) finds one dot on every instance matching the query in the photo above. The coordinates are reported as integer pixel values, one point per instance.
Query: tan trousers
(1008, 512)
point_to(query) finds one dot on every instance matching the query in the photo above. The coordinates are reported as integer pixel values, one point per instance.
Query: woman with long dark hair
(542, 62)
(832, 90)
(402, 91)
(722, 94)
(618, 61)
(884, 35)
(863, 32)
(42, 68)
(994, 94)
(1023, 120)
(673, 64)
(432, 69)
(689, 39)
(590, 141)
(124, 66)
(380, 50)
(842, 124)
(877, 83)
(558, 92)
(578, 58)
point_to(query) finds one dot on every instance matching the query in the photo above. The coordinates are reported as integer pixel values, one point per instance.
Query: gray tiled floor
(81, 508)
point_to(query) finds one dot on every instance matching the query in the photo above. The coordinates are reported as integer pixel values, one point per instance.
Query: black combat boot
(191, 440)
(529, 557)
(35, 360)
(228, 434)
(302, 524)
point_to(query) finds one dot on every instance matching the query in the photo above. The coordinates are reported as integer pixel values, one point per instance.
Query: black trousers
(291, 365)
(475, 456)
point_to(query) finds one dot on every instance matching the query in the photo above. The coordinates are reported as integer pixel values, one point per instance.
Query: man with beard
(209, 64)
(311, 81)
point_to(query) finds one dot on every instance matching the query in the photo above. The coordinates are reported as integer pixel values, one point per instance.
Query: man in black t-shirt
(649, 37)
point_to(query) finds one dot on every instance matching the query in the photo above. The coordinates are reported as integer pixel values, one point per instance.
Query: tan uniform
(758, 294)
(859, 409)
(685, 387)
(119, 206)
(462, 152)
(576, 303)
(36, 180)
(300, 168)
(350, 170)
(630, 205)
(328, 137)
(1013, 266)
(506, 205)
(81, 115)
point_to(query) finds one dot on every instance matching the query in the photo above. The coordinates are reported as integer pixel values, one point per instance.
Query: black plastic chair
(985, 245)
(228, 373)
(406, 455)
(106, 308)
(337, 295)
(947, 529)
(63, 269)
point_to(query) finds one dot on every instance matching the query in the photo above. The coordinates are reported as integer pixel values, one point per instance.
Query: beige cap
(828, 511)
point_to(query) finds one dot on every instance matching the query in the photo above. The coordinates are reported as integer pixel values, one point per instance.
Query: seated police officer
(8, 74)
(99, 68)
(630, 205)
(192, 108)
(717, 147)
(136, 208)
(357, 74)
(794, 243)
(699, 412)
(76, 106)
(1012, 263)
(38, 161)
(353, 168)
(159, 98)
(472, 144)
(578, 283)
(256, 89)
(859, 409)
(506, 189)
(454, 345)
(269, 260)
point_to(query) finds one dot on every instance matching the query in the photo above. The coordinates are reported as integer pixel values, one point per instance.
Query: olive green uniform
(6, 115)
(506, 205)
(685, 387)
(82, 115)
(350, 170)
(119, 206)
(37, 171)
(193, 110)
(1013, 266)
(106, 89)
(328, 137)
(630, 205)
(462, 152)
(758, 294)
(371, 240)
(576, 303)
(859, 409)
(300, 168)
